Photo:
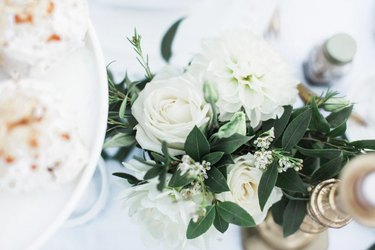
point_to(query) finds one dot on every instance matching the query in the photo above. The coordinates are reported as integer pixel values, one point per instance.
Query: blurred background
(301, 25)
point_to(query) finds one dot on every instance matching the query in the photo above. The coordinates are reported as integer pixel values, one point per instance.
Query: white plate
(28, 220)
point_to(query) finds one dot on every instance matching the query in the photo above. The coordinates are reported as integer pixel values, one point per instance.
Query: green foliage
(234, 214)
(291, 181)
(131, 179)
(267, 183)
(167, 41)
(296, 130)
(216, 181)
(196, 229)
(295, 212)
(220, 224)
(196, 145)
(231, 144)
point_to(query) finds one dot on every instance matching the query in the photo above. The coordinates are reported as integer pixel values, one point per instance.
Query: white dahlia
(248, 74)
(164, 216)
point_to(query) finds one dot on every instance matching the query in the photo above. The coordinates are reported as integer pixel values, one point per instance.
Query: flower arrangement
(221, 143)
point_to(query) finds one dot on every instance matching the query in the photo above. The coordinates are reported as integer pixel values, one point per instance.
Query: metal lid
(340, 48)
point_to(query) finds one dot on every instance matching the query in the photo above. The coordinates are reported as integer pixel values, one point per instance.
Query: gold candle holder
(333, 203)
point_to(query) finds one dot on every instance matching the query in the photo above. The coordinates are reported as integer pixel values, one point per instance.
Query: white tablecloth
(304, 23)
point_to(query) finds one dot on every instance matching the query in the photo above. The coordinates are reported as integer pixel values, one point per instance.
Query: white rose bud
(210, 93)
(167, 109)
(237, 124)
(336, 104)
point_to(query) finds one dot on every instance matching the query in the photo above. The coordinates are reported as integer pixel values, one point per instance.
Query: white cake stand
(28, 220)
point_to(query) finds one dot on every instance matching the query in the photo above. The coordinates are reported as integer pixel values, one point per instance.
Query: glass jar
(331, 60)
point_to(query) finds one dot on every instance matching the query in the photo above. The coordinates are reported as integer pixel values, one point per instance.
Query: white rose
(243, 181)
(248, 74)
(163, 216)
(167, 109)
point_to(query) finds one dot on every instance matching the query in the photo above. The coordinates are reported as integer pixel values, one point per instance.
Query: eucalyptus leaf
(291, 181)
(296, 130)
(216, 181)
(293, 217)
(328, 170)
(196, 145)
(167, 41)
(234, 214)
(230, 144)
(267, 183)
(196, 229)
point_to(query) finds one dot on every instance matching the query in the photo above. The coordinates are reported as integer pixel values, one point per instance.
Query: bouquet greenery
(221, 143)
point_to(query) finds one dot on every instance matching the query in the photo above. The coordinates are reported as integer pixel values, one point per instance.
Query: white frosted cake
(40, 146)
(36, 33)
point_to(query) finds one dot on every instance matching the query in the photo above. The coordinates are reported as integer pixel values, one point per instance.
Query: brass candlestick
(333, 203)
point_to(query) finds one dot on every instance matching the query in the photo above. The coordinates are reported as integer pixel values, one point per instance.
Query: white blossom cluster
(188, 193)
(264, 142)
(288, 162)
(194, 169)
(263, 158)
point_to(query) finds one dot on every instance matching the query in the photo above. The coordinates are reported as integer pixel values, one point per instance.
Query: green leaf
(166, 43)
(364, 144)
(293, 217)
(267, 183)
(232, 213)
(163, 173)
(224, 161)
(296, 130)
(216, 181)
(153, 172)
(318, 122)
(280, 124)
(179, 180)
(230, 144)
(196, 145)
(338, 118)
(157, 157)
(120, 140)
(339, 131)
(291, 181)
(194, 230)
(320, 153)
(220, 224)
(131, 179)
(213, 157)
(328, 170)
(278, 210)
(122, 109)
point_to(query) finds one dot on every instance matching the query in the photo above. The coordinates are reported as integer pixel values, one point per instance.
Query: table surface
(303, 25)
